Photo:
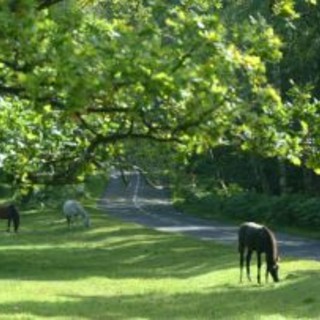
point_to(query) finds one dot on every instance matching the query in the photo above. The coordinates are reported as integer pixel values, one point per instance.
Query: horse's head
(87, 222)
(274, 271)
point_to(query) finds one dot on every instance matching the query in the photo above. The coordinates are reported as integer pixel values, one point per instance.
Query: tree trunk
(283, 181)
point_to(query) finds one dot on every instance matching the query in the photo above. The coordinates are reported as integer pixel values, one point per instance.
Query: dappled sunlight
(124, 271)
(131, 250)
(212, 297)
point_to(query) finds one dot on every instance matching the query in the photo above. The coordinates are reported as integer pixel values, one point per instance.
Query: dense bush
(53, 195)
(222, 187)
(286, 210)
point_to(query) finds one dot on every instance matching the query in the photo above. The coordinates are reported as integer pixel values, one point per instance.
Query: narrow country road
(141, 203)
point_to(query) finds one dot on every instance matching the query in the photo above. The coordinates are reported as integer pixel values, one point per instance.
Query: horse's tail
(241, 237)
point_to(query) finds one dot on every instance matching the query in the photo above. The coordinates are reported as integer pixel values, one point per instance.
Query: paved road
(141, 203)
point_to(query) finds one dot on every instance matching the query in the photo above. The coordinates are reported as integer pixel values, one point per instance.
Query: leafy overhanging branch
(143, 88)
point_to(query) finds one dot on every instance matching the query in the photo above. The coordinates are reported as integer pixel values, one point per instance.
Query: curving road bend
(141, 203)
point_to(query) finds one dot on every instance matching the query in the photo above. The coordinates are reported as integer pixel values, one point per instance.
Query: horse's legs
(259, 266)
(248, 259)
(241, 251)
(267, 272)
(9, 225)
(69, 221)
(15, 224)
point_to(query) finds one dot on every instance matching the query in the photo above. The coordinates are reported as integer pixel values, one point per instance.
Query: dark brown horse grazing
(10, 213)
(255, 237)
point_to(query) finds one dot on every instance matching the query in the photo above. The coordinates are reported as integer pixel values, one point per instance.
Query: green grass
(118, 270)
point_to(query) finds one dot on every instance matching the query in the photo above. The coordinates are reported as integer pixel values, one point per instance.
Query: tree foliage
(80, 79)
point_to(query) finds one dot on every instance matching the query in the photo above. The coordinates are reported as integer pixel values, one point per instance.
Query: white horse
(72, 209)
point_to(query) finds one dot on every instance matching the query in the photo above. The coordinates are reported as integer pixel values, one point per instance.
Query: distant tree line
(252, 172)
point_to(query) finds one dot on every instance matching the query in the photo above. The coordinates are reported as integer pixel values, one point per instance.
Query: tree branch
(16, 67)
(85, 124)
(47, 3)
(181, 61)
(10, 90)
(193, 122)
(106, 110)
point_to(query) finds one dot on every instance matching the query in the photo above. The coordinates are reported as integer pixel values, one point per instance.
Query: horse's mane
(273, 243)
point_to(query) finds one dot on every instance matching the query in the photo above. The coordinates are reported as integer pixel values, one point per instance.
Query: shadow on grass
(292, 299)
(46, 250)
(134, 254)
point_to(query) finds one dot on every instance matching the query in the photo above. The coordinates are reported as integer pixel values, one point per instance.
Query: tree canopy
(80, 79)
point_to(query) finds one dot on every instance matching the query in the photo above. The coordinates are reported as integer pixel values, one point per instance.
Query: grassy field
(116, 270)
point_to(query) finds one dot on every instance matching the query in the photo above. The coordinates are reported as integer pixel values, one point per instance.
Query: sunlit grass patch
(117, 270)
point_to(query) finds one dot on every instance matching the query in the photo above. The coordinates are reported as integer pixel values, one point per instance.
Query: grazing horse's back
(71, 207)
(247, 235)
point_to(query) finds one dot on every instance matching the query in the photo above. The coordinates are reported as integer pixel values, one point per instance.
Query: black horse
(255, 237)
(10, 213)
